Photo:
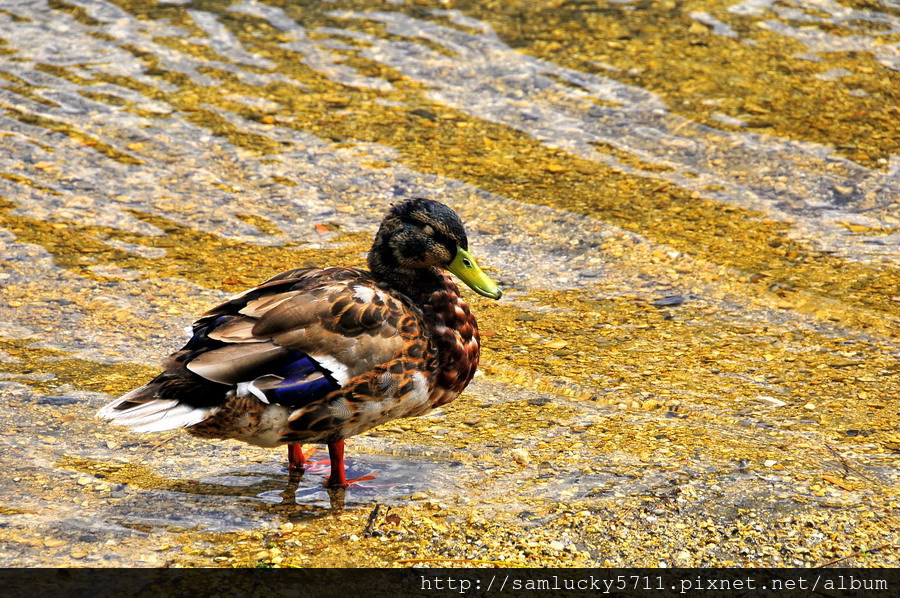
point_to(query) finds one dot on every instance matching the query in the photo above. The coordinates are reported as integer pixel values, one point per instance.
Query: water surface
(692, 208)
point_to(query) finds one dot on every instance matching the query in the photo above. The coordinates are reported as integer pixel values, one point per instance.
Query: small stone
(771, 400)
(669, 301)
(520, 456)
(770, 462)
(335, 101)
(556, 545)
(85, 480)
(698, 29)
(810, 406)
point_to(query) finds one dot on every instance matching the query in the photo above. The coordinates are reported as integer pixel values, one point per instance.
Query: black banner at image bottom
(571, 583)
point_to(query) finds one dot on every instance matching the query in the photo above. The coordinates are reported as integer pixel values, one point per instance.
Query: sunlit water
(93, 136)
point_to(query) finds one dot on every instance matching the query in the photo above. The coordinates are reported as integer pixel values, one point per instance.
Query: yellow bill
(464, 266)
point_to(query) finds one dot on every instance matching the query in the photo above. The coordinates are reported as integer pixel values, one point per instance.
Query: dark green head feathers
(417, 237)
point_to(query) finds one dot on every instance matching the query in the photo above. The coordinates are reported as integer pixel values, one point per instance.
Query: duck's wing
(338, 318)
(292, 340)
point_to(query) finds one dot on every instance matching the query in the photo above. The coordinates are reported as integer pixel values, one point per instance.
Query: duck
(317, 355)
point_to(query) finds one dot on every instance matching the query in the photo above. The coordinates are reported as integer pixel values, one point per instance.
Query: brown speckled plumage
(319, 355)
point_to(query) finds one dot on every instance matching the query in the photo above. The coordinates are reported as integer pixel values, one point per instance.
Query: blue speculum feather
(296, 389)
(294, 367)
(296, 392)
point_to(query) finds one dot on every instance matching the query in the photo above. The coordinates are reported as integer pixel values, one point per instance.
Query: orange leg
(295, 458)
(337, 478)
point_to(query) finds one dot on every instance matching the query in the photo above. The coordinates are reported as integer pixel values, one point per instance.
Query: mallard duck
(316, 355)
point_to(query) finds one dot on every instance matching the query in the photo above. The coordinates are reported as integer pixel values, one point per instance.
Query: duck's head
(420, 234)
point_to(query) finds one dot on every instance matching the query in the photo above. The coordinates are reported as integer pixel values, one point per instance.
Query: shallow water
(692, 208)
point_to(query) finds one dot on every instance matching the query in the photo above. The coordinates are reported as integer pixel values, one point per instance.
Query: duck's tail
(143, 411)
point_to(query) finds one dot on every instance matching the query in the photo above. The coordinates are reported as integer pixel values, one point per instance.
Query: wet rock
(670, 301)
